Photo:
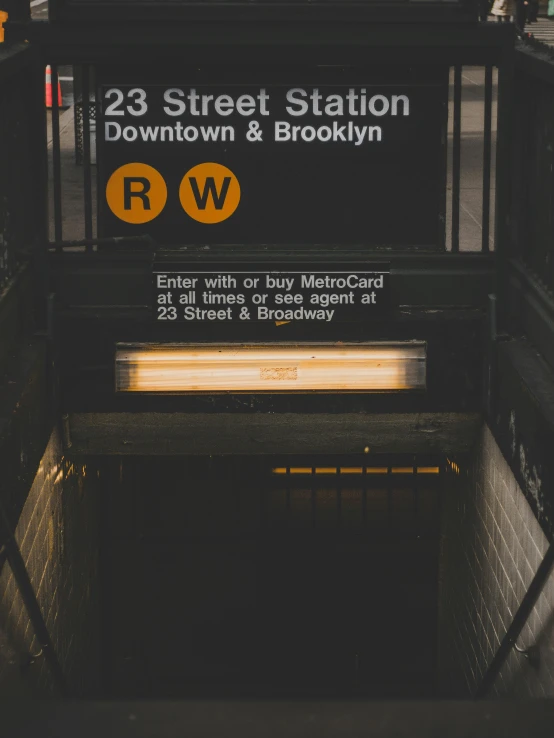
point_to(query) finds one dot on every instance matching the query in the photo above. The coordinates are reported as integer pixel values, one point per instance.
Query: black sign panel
(301, 10)
(360, 164)
(295, 293)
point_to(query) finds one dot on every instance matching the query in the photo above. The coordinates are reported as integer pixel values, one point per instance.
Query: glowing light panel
(190, 368)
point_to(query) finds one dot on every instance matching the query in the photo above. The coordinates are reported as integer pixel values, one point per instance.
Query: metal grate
(79, 131)
(355, 470)
(396, 498)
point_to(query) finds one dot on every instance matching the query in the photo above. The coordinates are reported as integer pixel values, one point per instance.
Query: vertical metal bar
(415, 490)
(364, 497)
(41, 151)
(56, 158)
(40, 192)
(264, 493)
(313, 498)
(504, 168)
(287, 499)
(443, 167)
(76, 96)
(456, 148)
(98, 174)
(86, 154)
(25, 588)
(487, 139)
(389, 496)
(490, 363)
(53, 352)
(339, 498)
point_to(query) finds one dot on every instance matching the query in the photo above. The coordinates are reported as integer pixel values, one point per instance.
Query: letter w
(149, 133)
(210, 189)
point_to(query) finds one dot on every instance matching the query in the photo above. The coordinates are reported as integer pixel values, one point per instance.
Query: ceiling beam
(263, 433)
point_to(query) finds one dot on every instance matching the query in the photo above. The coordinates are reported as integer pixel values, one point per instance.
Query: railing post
(504, 157)
(40, 154)
(487, 147)
(456, 161)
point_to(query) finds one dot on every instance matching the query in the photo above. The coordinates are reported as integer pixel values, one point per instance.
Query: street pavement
(542, 30)
(39, 10)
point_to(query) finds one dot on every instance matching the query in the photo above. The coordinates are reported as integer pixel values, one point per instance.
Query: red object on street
(49, 89)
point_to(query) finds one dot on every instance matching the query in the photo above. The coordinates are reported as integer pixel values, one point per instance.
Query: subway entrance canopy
(279, 290)
(277, 173)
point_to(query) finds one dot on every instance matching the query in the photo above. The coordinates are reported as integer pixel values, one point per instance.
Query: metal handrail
(12, 554)
(514, 631)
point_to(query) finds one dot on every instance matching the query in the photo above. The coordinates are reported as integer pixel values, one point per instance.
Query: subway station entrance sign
(353, 160)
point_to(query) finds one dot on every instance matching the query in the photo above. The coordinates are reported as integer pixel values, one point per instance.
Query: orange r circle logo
(136, 193)
(209, 193)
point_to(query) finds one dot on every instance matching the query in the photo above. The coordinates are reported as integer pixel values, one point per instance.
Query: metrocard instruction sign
(352, 163)
(303, 293)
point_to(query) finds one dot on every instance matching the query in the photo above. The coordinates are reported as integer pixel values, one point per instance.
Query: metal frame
(365, 481)
(122, 372)
(235, 42)
(106, 287)
(422, 11)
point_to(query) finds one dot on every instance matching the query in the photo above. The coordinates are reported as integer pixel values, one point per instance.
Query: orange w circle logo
(209, 193)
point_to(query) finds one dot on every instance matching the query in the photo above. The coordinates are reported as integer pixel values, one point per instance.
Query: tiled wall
(492, 545)
(57, 537)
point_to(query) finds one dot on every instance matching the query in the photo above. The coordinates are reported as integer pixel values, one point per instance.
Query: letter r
(128, 192)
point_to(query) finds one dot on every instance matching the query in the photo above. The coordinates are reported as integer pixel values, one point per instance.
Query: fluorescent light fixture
(332, 367)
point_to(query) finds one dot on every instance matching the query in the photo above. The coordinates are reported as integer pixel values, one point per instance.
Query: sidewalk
(542, 30)
(72, 176)
(471, 183)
